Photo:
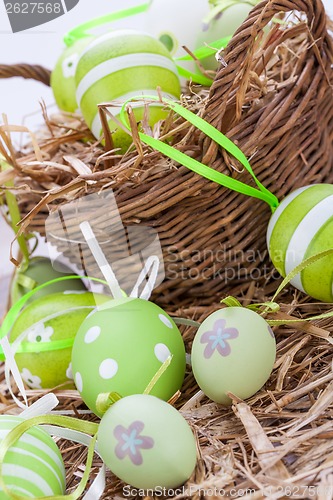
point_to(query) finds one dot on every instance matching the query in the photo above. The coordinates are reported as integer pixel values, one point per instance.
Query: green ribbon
(219, 6)
(82, 30)
(14, 311)
(14, 213)
(272, 306)
(201, 53)
(74, 424)
(209, 173)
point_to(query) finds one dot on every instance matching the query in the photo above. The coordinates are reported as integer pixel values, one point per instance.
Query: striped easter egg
(33, 466)
(63, 75)
(120, 65)
(302, 226)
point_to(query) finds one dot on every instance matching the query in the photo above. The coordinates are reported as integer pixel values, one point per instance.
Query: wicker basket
(273, 97)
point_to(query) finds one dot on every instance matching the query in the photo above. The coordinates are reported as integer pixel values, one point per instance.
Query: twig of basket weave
(27, 71)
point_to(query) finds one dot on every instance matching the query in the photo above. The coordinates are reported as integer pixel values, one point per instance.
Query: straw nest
(277, 444)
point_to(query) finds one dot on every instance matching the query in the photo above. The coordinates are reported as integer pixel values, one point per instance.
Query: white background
(19, 99)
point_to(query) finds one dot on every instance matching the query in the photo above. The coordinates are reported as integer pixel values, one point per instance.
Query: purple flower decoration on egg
(130, 442)
(217, 338)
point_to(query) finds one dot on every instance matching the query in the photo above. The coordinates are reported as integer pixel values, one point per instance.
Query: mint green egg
(63, 75)
(147, 443)
(39, 271)
(121, 346)
(55, 317)
(120, 65)
(33, 467)
(302, 226)
(233, 351)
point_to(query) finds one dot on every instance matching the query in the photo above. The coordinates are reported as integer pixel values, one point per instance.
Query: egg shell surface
(120, 65)
(147, 443)
(51, 318)
(120, 349)
(233, 351)
(300, 227)
(33, 466)
(40, 270)
(63, 75)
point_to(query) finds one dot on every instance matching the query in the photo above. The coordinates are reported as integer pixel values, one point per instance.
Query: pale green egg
(118, 66)
(33, 466)
(301, 227)
(233, 351)
(39, 271)
(47, 320)
(121, 346)
(147, 443)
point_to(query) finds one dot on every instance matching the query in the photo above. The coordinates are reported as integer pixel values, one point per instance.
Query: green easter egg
(120, 65)
(120, 347)
(233, 351)
(300, 227)
(63, 75)
(147, 443)
(39, 271)
(33, 466)
(51, 318)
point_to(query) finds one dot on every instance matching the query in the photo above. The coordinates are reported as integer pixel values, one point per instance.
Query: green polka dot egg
(47, 321)
(302, 226)
(147, 443)
(33, 467)
(63, 75)
(233, 351)
(120, 65)
(121, 346)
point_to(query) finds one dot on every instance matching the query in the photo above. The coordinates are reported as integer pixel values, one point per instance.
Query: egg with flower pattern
(233, 351)
(147, 443)
(121, 346)
(40, 329)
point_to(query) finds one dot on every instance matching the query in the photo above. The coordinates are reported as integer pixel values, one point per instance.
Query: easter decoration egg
(118, 66)
(33, 467)
(43, 334)
(63, 75)
(121, 345)
(227, 18)
(39, 271)
(300, 227)
(175, 31)
(147, 443)
(233, 351)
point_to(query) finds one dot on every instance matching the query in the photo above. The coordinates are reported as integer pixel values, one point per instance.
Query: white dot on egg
(165, 320)
(92, 334)
(78, 381)
(108, 368)
(162, 352)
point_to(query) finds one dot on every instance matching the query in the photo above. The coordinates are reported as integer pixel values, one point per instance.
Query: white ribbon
(150, 269)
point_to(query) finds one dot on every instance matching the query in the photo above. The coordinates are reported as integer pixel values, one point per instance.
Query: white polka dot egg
(120, 347)
(233, 351)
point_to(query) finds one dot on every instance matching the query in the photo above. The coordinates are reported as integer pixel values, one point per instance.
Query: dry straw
(273, 98)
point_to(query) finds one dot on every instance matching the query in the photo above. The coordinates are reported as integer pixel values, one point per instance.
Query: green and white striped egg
(63, 75)
(118, 66)
(33, 466)
(302, 226)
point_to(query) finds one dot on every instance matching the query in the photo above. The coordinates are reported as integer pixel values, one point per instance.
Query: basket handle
(232, 76)
(27, 71)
